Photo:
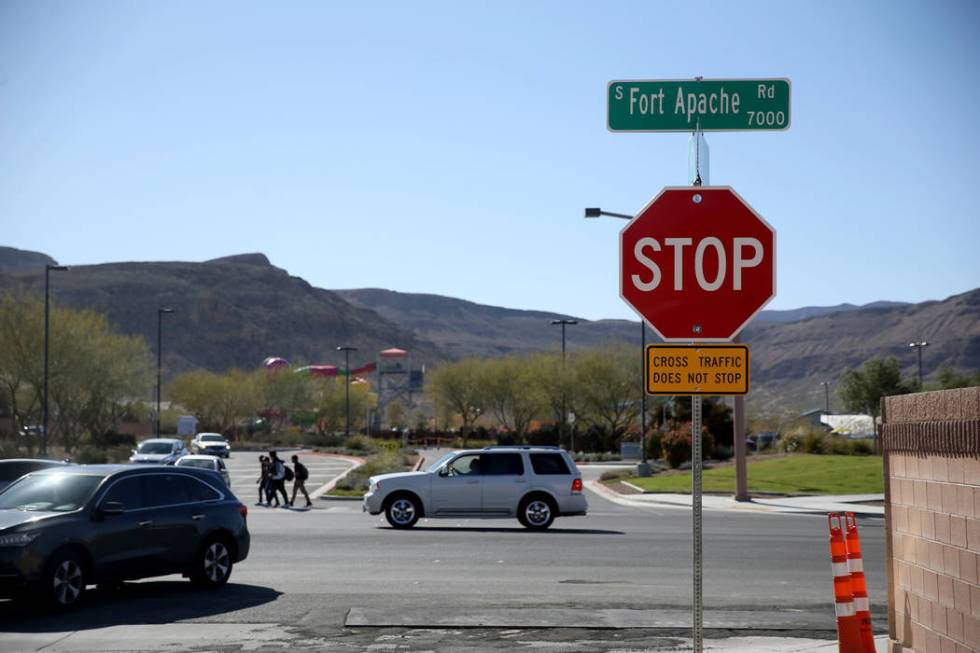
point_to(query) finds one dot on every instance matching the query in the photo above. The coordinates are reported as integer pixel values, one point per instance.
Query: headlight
(18, 539)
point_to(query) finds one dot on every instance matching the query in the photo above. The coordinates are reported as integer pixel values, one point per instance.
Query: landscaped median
(381, 461)
(788, 475)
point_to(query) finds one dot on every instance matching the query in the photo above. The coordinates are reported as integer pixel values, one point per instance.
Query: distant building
(853, 427)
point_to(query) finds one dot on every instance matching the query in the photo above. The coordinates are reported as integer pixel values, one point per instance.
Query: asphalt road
(337, 579)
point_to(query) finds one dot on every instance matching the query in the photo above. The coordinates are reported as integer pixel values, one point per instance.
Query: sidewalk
(783, 505)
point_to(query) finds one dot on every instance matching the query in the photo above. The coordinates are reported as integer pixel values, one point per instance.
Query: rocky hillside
(229, 312)
(19, 261)
(235, 311)
(789, 357)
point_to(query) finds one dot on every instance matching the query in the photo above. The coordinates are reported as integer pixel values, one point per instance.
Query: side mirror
(444, 471)
(112, 508)
(134, 451)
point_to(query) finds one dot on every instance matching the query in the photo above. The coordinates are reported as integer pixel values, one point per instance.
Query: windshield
(156, 447)
(212, 438)
(434, 466)
(49, 492)
(195, 462)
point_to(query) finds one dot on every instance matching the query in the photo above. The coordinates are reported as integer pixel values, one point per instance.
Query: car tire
(402, 511)
(62, 584)
(212, 564)
(536, 512)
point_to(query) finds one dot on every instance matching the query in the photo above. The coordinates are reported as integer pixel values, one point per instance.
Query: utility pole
(347, 351)
(160, 312)
(44, 419)
(826, 396)
(564, 414)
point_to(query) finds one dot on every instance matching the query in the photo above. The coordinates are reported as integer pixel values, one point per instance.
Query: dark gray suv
(64, 528)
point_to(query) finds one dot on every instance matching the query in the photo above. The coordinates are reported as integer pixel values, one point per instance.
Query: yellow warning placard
(697, 370)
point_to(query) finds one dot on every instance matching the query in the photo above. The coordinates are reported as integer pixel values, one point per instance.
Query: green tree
(284, 391)
(609, 390)
(94, 372)
(949, 378)
(556, 386)
(458, 391)
(511, 392)
(862, 390)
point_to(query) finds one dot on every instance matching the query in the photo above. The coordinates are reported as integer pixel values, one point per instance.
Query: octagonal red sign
(697, 263)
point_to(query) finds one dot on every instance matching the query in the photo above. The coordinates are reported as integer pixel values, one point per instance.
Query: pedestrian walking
(277, 478)
(300, 474)
(263, 479)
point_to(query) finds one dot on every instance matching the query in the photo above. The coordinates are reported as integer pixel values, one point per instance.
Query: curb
(326, 487)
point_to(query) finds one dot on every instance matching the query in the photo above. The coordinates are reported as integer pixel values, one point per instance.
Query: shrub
(813, 442)
(357, 443)
(655, 448)
(839, 445)
(721, 452)
(862, 448)
(91, 456)
(677, 446)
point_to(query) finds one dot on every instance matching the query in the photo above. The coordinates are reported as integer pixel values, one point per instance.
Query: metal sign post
(699, 153)
(696, 520)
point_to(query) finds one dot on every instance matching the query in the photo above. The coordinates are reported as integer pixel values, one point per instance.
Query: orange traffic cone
(859, 588)
(848, 629)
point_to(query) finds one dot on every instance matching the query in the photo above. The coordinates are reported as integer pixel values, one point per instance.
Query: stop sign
(697, 263)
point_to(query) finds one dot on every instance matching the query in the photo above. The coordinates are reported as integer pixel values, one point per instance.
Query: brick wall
(931, 442)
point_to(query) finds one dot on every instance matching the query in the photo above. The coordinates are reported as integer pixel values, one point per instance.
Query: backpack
(301, 472)
(289, 472)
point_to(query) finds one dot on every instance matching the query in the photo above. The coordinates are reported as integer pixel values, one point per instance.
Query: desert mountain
(790, 357)
(229, 312)
(235, 311)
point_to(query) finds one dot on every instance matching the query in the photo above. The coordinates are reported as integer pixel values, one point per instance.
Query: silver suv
(534, 484)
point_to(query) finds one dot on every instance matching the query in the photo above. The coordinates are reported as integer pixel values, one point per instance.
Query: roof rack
(523, 446)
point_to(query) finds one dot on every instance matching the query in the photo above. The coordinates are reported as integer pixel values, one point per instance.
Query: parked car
(13, 468)
(160, 451)
(62, 529)
(534, 484)
(213, 463)
(213, 444)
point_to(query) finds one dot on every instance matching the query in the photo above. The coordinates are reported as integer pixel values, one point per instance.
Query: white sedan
(213, 463)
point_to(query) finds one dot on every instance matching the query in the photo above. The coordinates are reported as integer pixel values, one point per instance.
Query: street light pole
(643, 469)
(347, 351)
(564, 416)
(918, 347)
(160, 312)
(44, 409)
(826, 396)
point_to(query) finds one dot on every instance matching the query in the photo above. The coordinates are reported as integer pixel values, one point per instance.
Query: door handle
(146, 523)
(520, 480)
(474, 482)
(197, 517)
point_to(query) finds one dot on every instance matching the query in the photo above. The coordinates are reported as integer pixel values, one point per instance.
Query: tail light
(243, 510)
(577, 486)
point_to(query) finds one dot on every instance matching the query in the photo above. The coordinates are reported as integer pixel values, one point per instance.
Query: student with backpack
(277, 478)
(300, 483)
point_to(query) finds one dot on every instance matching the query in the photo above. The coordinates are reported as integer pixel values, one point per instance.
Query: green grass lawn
(796, 474)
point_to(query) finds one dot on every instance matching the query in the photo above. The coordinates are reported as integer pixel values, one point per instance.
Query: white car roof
(197, 457)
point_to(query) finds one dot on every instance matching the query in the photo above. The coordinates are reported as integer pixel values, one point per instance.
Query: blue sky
(450, 147)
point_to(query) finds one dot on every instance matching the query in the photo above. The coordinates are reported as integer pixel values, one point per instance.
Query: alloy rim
(538, 512)
(216, 562)
(67, 582)
(402, 511)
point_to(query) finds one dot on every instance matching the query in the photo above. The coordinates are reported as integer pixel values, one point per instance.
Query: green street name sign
(679, 105)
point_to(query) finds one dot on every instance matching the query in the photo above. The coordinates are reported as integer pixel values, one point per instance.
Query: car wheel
(63, 581)
(402, 512)
(536, 513)
(212, 566)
